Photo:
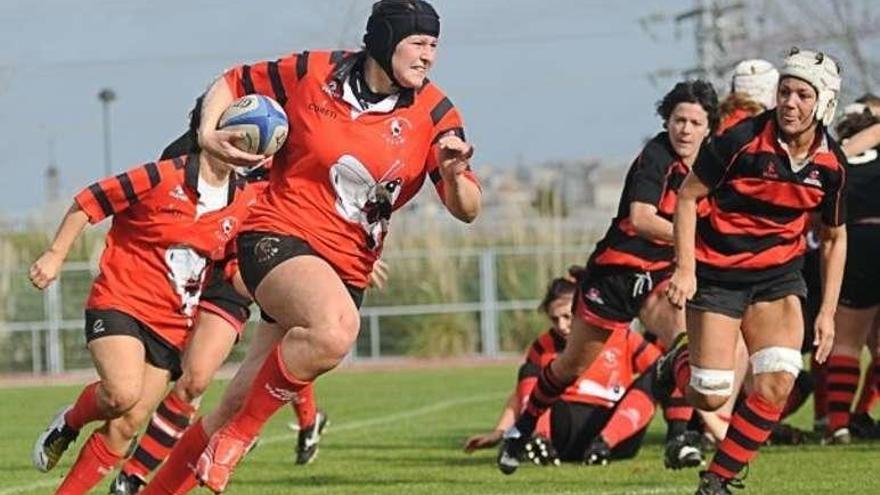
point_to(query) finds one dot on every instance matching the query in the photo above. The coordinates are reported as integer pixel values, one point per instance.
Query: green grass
(400, 432)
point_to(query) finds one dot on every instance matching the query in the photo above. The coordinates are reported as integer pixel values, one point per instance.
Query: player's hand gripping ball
(261, 121)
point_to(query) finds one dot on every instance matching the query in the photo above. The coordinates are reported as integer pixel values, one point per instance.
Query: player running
(627, 271)
(367, 129)
(738, 267)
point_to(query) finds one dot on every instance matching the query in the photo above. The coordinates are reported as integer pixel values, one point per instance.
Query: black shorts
(220, 297)
(574, 425)
(862, 271)
(105, 322)
(731, 299)
(612, 299)
(260, 252)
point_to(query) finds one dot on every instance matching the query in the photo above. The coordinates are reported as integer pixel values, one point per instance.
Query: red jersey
(758, 205)
(653, 178)
(735, 117)
(342, 172)
(157, 250)
(626, 354)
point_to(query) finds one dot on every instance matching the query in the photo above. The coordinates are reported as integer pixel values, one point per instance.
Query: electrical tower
(728, 31)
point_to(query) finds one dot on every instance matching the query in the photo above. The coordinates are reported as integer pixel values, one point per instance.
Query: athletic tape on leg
(712, 382)
(775, 359)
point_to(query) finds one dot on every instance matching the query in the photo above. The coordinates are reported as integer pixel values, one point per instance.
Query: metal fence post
(489, 304)
(52, 302)
(375, 337)
(36, 352)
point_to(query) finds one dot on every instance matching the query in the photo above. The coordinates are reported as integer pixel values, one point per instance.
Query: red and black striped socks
(842, 381)
(167, 425)
(749, 428)
(546, 392)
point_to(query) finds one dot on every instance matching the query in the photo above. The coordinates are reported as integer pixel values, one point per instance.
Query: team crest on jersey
(364, 200)
(770, 171)
(594, 295)
(177, 193)
(227, 227)
(397, 130)
(332, 89)
(610, 358)
(813, 179)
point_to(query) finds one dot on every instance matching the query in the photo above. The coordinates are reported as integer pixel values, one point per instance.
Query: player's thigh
(119, 361)
(305, 291)
(209, 345)
(777, 323)
(712, 339)
(662, 318)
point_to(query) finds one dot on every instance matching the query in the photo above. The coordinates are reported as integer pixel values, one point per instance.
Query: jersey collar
(191, 178)
(342, 71)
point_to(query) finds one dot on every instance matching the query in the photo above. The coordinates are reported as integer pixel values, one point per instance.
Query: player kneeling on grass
(602, 416)
(627, 271)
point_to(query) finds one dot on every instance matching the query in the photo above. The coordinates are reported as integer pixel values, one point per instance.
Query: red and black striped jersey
(343, 171)
(653, 178)
(758, 207)
(626, 354)
(158, 249)
(863, 184)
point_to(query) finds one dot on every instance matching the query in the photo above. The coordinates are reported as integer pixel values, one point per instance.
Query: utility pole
(728, 31)
(107, 96)
(53, 179)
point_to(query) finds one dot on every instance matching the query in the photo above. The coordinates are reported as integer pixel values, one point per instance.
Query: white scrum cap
(756, 79)
(821, 72)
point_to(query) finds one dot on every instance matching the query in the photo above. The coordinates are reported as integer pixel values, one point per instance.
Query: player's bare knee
(128, 425)
(774, 387)
(706, 402)
(332, 348)
(774, 370)
(192, 385)
(119, 401)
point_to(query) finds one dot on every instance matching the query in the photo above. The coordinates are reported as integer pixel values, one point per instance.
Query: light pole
(107, 96)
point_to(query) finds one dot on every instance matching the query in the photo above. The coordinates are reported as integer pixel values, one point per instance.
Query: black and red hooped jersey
(626, 354)
(863, 185)
(757, 210)
(157, 250)
(653, 178)
(342, 172)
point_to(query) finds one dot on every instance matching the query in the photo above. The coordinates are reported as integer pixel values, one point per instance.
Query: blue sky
(535, 80)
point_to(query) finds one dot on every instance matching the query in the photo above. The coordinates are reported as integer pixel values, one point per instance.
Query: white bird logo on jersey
(186, 271)
(362, 199)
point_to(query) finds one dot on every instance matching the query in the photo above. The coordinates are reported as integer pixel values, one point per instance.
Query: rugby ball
(262, 120)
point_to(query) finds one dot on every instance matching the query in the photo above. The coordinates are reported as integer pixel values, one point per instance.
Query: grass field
(400, 432)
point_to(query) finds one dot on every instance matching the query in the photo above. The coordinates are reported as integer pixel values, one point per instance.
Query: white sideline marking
(30, 487)
(354, 425)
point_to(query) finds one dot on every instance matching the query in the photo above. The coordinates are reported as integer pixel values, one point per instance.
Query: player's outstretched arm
(463, 196)
(505, 421)
(47, 266)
